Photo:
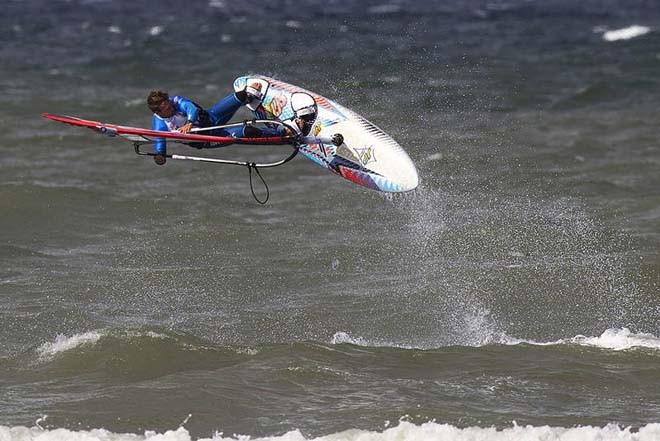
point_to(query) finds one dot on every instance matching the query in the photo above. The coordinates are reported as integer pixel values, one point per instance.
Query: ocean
(514, 295)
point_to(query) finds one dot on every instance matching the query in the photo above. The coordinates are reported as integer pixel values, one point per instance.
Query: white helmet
(304, 107)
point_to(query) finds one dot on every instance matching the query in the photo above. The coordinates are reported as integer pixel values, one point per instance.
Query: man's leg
(223, 110)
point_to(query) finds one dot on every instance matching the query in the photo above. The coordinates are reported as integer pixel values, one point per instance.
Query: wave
(346, 338)
(404, 431)
(143, 352)
(63, 343)
(149, 354)
(617, 339)
(624, 33)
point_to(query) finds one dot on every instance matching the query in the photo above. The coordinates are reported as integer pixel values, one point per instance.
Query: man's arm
(160, 146)
(189, 108)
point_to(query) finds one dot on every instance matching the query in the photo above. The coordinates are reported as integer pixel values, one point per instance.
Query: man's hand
(288, 131)
(300, 123)
(186, 128)
(160, 159)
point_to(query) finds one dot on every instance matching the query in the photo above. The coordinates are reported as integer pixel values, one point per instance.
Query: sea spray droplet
(184, 422)
(40, 420)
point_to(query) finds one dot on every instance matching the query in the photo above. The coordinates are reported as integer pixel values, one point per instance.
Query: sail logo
(366, 154)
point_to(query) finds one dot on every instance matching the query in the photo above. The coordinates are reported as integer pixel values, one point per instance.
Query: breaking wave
(617, 339)
(404, 431)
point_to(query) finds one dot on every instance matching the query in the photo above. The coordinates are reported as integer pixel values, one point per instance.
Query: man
(181, 114)
(303, 105)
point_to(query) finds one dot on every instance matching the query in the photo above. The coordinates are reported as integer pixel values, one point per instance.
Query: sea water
(513, 296)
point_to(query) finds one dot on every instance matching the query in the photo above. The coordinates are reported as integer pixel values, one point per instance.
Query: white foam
(344, 337)
(615, 339)
(384, 9)
(63, 343)
(626, 33)
(156, 30)
(619, 340)
(293, 24)
(404, 431)
(220, 4)
(34, 433)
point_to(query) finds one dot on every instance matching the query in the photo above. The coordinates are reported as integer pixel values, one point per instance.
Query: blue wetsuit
(186, 111)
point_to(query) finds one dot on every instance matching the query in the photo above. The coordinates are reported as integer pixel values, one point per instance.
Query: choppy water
(513, 296)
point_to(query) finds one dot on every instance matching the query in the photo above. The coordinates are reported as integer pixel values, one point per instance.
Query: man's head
(159, 103)
(304, 111)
